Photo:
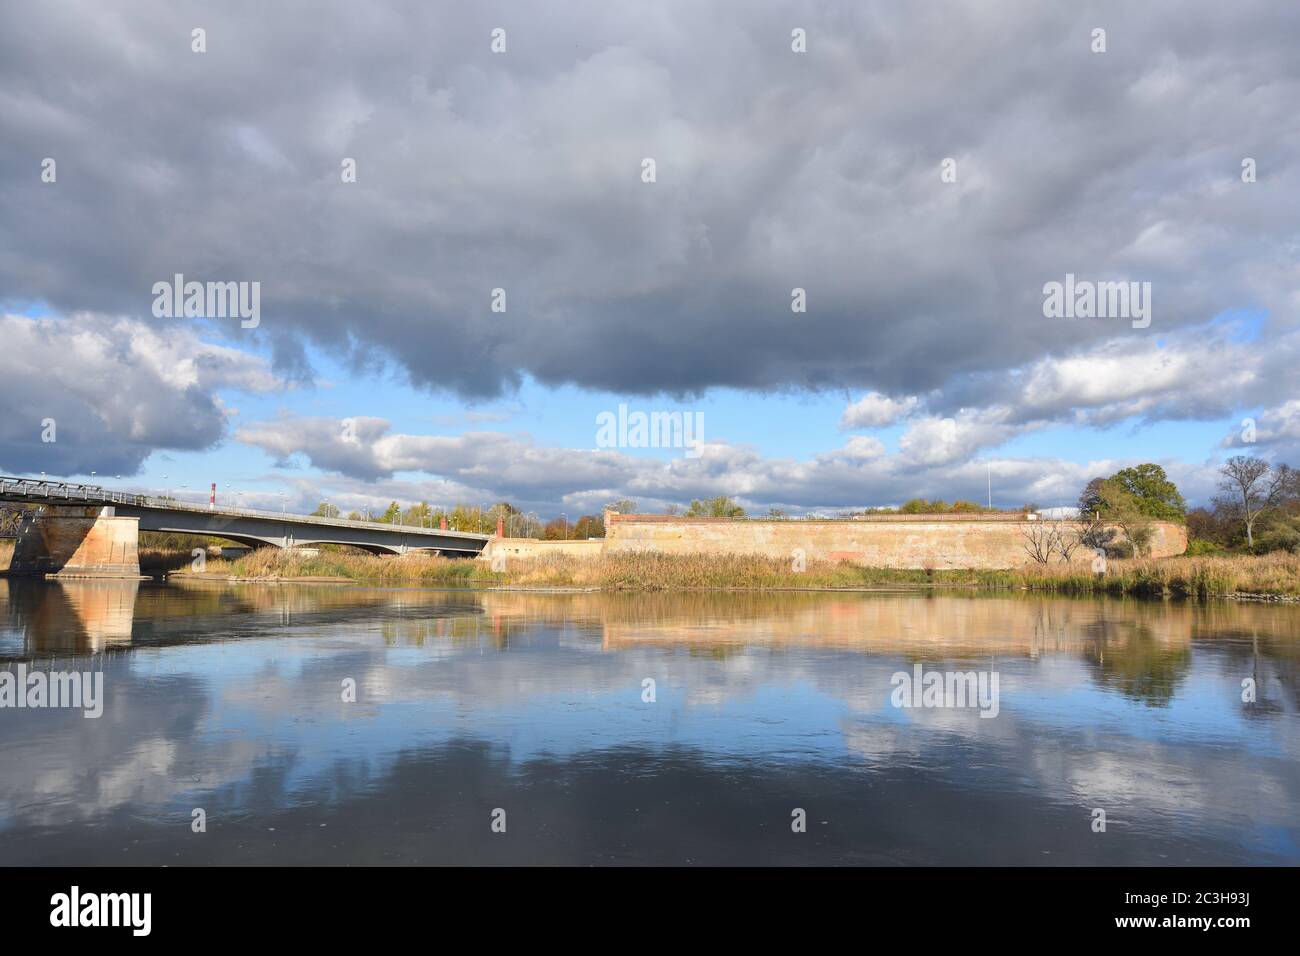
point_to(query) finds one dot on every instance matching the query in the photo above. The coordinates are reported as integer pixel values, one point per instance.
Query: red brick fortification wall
(889, 541)
(81, 542)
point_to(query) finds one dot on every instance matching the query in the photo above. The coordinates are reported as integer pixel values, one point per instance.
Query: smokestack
(212, 498)
(442, 522)
(501, 526)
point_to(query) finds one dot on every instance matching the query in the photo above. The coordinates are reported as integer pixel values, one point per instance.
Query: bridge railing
(46, 490)
(69, 490)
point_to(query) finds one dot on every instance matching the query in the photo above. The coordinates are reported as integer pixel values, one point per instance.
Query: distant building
(1063, 513)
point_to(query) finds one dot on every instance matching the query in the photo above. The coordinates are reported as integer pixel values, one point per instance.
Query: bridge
(91, 530)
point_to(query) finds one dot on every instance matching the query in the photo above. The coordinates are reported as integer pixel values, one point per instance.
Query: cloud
(381, 465)
(775, 170)
(1276, 432)
(115, 390)
(1204, 373)
(874, 410)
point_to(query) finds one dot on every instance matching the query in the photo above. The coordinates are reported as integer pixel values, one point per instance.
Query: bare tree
(1069, 538)
(1252, 488)
(1093, 532)
(1041, 539)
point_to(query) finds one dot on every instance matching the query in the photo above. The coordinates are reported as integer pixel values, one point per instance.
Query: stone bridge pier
(73, 541)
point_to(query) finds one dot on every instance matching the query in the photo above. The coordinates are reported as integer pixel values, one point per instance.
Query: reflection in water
(228, 697)
(66, 618)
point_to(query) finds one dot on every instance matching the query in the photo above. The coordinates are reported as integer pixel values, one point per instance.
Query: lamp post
(566, 525)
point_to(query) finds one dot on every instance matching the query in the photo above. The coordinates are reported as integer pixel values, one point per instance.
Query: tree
(419, 516)
(589, 526)
(1153, 493)
(1090, 499)
(1093, 532)
(1040, 540)
(1208, 531)
(624, 506)
(390, 514)
(326, 510)
(1122, 509)
(719, 507)
(1044, 538)
(1251, 488)
(1069, 538)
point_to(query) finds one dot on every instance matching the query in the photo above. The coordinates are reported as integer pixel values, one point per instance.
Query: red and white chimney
(212, 498)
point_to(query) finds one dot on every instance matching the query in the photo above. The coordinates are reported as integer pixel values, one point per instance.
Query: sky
(825, 234)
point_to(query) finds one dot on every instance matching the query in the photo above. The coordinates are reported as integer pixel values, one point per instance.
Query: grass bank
(1271, 575)
(1275, 576)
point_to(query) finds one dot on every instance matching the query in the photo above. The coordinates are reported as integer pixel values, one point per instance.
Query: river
(334, 724)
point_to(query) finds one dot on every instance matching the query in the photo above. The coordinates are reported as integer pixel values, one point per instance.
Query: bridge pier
(77, 542)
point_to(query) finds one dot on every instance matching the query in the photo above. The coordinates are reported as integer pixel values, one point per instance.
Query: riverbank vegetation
(1270, 576)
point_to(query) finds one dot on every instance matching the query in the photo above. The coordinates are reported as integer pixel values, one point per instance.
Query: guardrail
(44, 490)
(71, 491)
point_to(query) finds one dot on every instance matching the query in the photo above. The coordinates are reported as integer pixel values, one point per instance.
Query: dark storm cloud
(775, 170)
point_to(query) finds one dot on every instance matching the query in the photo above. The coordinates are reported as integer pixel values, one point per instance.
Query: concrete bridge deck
(94, 530)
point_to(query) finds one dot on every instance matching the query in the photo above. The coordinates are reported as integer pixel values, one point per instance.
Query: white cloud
(875, 410)
(116, 389)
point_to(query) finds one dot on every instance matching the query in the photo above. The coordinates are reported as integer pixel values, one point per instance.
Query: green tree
(1153, 493)
(719, 507)
(390, 514)
(326, 510)
(418, 516)
(1120, 507)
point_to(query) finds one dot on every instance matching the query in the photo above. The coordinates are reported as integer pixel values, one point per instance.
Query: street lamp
(566, 525)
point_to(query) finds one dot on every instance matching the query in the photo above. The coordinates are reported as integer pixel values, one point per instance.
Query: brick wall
(894, 541)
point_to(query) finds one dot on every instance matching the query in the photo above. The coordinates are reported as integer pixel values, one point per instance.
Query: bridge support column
(77, 542)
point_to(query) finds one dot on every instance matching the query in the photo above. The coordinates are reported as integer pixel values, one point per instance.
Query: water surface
(229, 698)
